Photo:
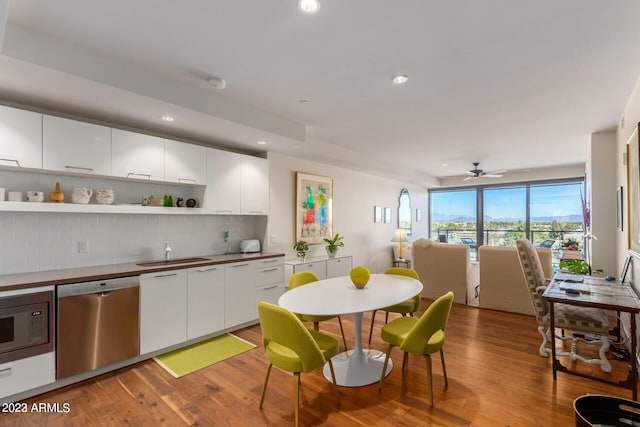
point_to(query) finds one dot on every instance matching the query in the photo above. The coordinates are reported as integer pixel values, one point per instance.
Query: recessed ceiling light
(168, 118)
(400, 79)
(309, 6)
(444, 164)
(262, 142)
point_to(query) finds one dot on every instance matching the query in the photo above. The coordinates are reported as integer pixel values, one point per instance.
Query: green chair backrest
(302, 278)
(433, 320)
(281, 326)
(402, 272)
(409, 273)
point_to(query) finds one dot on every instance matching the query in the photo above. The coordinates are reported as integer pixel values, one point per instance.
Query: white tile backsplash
(49, 241)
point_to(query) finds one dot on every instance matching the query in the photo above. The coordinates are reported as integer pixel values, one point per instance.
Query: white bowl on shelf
(105, 200)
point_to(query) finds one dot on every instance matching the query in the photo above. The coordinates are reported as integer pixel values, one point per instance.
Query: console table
(597, 293)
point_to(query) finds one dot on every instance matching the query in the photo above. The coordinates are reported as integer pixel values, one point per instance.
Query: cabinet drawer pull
(270, 260)
(187, 180)
(270, 269)
(166, 275)
(79, 168)
(240, 265)
(255, 212)
(5, 372)
(16, 161)
(147, 175)
(309, 265)
(207, 269)
(223, 211)
(266, 288)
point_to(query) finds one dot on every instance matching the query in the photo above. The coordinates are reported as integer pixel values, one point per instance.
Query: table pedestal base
(357, 368)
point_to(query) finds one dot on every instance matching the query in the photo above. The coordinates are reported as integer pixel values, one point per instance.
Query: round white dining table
(338, 296)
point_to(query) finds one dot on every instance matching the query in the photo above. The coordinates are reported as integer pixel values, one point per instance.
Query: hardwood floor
(496, 378)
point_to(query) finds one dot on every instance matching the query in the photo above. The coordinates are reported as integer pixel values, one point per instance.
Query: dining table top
(338, 295)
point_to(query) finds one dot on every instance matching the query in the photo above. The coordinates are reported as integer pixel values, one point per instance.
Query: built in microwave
(26, 325)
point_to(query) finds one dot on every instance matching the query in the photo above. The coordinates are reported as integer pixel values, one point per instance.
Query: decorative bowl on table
(359, 276)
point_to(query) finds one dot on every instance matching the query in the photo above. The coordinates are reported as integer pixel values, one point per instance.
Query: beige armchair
(502, 285)
(442, 268)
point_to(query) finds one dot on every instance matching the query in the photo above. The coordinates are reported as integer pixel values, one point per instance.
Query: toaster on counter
(251, 245)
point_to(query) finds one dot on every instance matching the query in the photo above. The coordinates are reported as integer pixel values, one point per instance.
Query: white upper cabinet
(184, 163)
(254, 186)
(223, 182)
(73, 146)
(20, 138)
(135, 155)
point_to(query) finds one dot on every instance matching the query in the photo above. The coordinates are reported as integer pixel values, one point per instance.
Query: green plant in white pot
(333, 244)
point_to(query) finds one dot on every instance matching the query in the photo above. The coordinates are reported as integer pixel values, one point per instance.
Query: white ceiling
(513, 84)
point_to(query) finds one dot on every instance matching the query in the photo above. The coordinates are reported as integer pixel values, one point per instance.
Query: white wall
(627, 125)
(355, 195)
(601, 180)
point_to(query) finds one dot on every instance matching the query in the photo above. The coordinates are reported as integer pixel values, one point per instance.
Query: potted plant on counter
(333, 244)
(301, 247)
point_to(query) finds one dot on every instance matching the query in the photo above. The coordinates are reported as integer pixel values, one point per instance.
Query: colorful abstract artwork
(314, 207)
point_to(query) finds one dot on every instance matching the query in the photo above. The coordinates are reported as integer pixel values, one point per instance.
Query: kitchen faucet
(167, 251)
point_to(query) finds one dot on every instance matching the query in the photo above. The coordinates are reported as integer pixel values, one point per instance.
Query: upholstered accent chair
(409, 306)
(305, 277)
(585, 320)
(293, 348)
(421, 337)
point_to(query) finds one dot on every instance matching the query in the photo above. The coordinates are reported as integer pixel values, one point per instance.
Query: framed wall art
(633, 199)
(619, 209)
(377, 214)
(387, 215)
(314, 207)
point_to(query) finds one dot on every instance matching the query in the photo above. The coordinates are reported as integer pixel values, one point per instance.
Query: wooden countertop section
(65, 276)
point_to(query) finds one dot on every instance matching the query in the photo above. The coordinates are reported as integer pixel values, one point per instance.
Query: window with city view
(545, 213)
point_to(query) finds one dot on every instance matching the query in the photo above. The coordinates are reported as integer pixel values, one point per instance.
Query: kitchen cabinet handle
(207, 269)
(130, 174)
(266, 288)
(270, 269)
(240, 265)
(166, 275)
(79, 168)
(223, 211)
(255, 212)
(270, 260)
(10, 160)
(187, 180)
(5, 371)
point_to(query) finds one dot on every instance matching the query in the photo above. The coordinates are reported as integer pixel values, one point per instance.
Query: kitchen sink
(171, 262)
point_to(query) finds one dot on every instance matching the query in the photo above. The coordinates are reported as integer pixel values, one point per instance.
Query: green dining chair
(303, 278)
(293, 348)
(422, 337)
(409, 306)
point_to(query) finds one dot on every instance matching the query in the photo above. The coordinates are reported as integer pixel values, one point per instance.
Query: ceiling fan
(479, 173)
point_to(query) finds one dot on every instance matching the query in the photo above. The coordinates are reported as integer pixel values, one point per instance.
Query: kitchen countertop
(65, 276)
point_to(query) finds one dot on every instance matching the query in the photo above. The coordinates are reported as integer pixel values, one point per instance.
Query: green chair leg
(264, 387)
(344, 340)
(384, 367)
(444, 369)
(373, 319)
(296, 395)
(333, 383)
(429, 378)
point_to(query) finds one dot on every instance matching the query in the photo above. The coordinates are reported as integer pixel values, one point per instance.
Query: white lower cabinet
(247, 283)
(324, 268)
(163, 310)
(339, 266)
(238, 294)
(25, 374)
(205, 300)
(269, 281)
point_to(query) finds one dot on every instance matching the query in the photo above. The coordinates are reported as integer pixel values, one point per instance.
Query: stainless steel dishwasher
(98, 324)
